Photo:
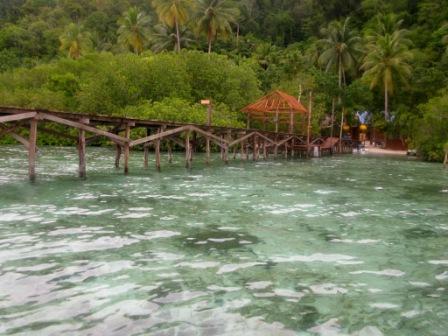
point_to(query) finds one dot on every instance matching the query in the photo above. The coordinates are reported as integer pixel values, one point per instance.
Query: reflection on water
(335, 246)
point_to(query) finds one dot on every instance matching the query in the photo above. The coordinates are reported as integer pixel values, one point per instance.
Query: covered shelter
(277, 107)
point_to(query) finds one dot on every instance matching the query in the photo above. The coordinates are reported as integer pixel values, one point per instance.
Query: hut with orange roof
(276, 107)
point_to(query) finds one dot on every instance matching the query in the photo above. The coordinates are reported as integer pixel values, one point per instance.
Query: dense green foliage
(148, 58)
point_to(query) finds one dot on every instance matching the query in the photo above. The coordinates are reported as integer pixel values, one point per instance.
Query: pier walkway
(24, 124)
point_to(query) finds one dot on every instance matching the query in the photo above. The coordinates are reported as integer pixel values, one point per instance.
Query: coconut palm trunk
(177, 35)
(209, 39)
(340, 70)
(386, 101)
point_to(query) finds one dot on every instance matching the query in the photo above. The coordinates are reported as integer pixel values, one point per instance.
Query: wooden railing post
(32, 150)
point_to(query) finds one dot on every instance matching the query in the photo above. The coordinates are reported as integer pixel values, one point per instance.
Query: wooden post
(82, 149)
(445, 160)
(293, 143)
(276, 121)
(170, 152)
(157, 151)
(32, 150)
(187, 151)
(291, 122)
(308, 131)
(275, 151)
(117, 155)
(222, 149)
(146, 156)
(127, 135)
(248, 121)
(226, 154)
(207, 150)
(265, 152)
(255, 148)
(146, 151)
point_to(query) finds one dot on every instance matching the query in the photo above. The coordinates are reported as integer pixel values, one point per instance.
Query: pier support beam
(32, 150)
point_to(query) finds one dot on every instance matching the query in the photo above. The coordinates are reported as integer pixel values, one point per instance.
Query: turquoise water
(348, 245)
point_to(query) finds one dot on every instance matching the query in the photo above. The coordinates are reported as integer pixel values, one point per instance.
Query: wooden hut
(278, 108)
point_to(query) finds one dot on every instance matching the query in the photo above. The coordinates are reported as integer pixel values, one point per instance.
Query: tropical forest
(156, 59)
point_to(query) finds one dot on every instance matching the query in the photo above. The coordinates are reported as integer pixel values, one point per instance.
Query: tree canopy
(123, 56)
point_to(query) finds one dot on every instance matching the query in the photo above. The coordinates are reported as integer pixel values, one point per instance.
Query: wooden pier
(249, 143)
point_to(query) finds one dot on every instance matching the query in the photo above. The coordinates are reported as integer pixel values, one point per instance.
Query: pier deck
(250, 143)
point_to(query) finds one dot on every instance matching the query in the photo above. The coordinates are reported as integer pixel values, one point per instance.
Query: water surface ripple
(348, 245)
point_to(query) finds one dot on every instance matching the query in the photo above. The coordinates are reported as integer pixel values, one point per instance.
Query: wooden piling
(293, 144)
(146, 156)
(265, 151)
(170, 152)
(117, 155)
(127, 135)
(32, 150)
(157, 152)
(82, 150)
(207, 150)
(255, 148)
(222, 148)
(187, 151)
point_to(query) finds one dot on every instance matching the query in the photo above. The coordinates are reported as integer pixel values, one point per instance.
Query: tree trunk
(386, 101)
(237, 37)
(209, 40)
(332, 117)
(177, 35)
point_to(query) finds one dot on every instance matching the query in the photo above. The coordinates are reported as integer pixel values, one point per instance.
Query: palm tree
(214, 17)
(445, 37)
(340, 48)
(174, 13)
(339, 51)
(134, 29)
(165, 38)
(75, 41)
(386, 61)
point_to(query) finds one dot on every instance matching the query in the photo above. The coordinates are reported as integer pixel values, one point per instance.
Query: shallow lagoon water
(347, 245)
